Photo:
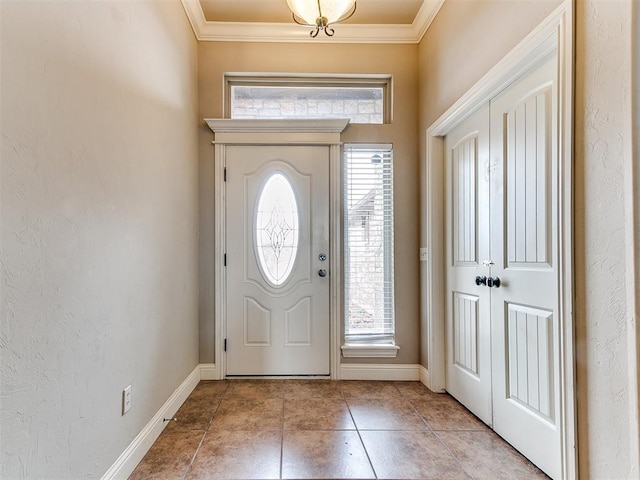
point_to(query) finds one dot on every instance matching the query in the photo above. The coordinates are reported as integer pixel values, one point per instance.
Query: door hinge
(225, 344)
(225, 259)
(225, 174)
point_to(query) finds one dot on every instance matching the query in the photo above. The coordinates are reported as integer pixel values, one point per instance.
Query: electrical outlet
(126, 400)
(424, 256)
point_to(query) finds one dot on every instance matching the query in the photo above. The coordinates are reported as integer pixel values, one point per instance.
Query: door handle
(481, 280)
(493, 282)
(322, 272)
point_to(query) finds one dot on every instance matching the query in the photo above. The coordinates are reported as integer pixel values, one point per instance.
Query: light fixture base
(322, 22)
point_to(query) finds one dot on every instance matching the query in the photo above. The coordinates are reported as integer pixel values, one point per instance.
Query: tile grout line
(435, 434)
(284, 386)
(206, 430)
(451, 453)
(364, 447)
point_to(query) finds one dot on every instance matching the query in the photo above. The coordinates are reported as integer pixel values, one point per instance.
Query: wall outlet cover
(126, 400)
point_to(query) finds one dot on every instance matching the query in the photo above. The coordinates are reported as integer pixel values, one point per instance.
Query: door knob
(322, 272)
(481, 280)
(493, 282)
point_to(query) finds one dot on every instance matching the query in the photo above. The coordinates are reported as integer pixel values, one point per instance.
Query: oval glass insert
(276, 229)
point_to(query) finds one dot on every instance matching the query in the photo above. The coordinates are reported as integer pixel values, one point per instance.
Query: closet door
(467, 241)
(524, 249)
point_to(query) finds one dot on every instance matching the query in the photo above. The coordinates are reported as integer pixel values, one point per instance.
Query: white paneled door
(468, 303)
(277, 223)
(524, 247)
(503, 273)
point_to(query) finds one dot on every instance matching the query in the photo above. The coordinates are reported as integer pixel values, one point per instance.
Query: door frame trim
(554, 35)
(299, 132)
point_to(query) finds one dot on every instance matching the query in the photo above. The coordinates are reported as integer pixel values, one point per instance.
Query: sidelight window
(368, 244)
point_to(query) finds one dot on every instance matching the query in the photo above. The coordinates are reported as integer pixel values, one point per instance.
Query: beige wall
(464, 42)
(399, 60)
(99, 228)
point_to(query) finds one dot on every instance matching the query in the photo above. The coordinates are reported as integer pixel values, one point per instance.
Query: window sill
(370, 351)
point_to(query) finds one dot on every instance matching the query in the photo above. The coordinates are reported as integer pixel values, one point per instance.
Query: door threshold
(277, 377)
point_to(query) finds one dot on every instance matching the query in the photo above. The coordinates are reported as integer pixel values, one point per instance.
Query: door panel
(528, 203)
(277, 225)
(524, 243)
(467, 241)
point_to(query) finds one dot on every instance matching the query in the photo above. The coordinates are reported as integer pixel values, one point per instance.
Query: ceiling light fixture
(321, 14)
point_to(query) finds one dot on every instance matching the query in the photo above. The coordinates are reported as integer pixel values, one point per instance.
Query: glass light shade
(309, 11)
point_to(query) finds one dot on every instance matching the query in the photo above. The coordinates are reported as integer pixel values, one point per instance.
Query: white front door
(467, 243)
(277, 248)
(525, 246)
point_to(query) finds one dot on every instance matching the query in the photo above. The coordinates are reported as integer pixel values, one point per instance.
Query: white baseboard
(127, 462)
(425, 377)
(208, 371)
(370, 371)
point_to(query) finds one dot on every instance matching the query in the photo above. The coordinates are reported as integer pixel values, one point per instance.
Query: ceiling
(375, 21)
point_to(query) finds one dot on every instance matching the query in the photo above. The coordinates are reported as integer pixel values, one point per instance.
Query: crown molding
(206, 31)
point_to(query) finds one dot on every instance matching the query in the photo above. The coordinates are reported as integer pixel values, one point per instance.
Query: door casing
(325, 132)
(555, 34)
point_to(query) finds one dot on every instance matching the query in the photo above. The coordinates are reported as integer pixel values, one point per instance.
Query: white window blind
(368, 243)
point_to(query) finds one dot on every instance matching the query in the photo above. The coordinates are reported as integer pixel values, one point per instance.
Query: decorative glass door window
(277, 229)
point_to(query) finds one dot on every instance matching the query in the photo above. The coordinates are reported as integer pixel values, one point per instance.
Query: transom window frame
(384, 81)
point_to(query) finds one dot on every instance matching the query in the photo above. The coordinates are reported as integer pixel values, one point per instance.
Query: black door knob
(481, 280)
(493, 282)
(322, 272)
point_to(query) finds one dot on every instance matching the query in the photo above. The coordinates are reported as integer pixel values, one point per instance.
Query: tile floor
(263, 429)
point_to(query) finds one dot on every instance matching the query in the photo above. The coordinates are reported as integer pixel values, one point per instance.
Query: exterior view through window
(362, 100)
(368, 244)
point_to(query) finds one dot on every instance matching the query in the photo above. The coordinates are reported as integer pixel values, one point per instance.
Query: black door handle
(481, 280)
(493, 282)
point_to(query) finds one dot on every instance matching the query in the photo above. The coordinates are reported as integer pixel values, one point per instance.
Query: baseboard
(371, 371)
(127, 462)
(425, 377)
(208, 371)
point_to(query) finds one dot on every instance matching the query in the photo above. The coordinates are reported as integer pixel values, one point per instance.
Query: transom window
(361, 99)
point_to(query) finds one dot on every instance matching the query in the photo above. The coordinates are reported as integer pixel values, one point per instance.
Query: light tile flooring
(263, 429)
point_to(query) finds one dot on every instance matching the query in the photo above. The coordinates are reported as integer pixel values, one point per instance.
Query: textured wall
(99, 227)
(607, 360)
(466, 40)
(399, 60)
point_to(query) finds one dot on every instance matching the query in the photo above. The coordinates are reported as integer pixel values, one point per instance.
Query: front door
(277, 248)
